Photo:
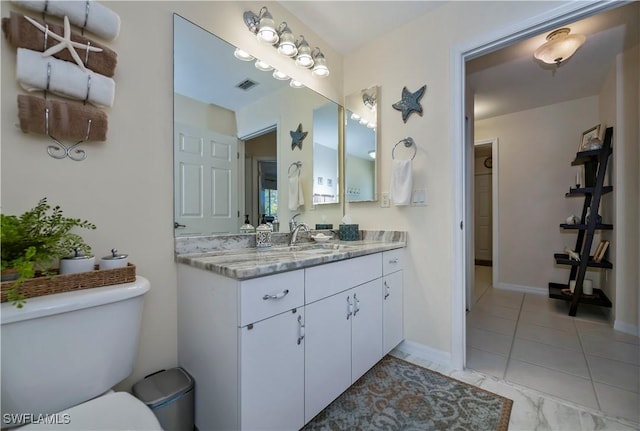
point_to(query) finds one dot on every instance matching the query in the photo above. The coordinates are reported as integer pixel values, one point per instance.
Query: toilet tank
(61, 350)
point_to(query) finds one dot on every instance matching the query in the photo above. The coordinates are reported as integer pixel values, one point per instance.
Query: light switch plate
(419, 198)
(384, 202)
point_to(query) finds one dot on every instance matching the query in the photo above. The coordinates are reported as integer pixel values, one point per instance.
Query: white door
(327, 351)
(206, 189)
(366, 327)
(483, 217)
(392, 311)
(272, 373)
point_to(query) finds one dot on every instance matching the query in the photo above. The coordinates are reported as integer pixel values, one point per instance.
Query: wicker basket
(48, 285)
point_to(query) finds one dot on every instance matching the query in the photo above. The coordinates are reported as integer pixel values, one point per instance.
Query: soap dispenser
(247, 227)
(263, 234)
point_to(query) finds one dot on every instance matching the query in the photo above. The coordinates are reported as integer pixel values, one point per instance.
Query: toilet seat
(113, 411)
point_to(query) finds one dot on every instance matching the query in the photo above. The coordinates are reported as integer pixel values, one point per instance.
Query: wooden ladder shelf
(596, 162)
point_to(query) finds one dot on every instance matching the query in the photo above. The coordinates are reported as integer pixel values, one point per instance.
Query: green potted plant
(33, 241)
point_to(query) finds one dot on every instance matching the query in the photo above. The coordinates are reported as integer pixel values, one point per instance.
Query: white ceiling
(507, 80)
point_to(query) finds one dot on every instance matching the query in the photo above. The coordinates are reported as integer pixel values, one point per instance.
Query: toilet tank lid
(58, 303)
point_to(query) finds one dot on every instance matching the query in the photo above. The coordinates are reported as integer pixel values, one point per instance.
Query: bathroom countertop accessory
(114, 260)
(77, 263)
(321, 237)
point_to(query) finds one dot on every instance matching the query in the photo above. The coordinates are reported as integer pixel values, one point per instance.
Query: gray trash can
(169, 394)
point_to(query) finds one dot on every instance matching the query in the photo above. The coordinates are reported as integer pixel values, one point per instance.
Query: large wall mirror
(233, 150)
(361, 146)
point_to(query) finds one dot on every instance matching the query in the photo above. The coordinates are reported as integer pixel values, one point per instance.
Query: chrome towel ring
(408, 143)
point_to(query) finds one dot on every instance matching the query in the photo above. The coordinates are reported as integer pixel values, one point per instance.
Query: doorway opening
(461, 149)
(261, 175)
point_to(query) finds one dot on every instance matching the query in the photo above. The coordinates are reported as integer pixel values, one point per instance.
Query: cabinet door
(366, 327)
(272, 373)
(327, 351)
(392, 311)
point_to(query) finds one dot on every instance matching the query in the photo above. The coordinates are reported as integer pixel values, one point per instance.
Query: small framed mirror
(326, 120)
(361, 146)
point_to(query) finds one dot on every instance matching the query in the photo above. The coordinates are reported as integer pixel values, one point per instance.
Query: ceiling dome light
(304, 58)
(267, 28)
(261, 65)
(559, 46)
(295, 84)
(287, 45)
(242, 55)
(280, 75)
(320, 68)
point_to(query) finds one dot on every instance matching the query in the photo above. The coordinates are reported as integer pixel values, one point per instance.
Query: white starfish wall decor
(65, 42)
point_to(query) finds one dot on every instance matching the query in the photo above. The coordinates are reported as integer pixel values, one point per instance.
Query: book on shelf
(602, 250)
(597, 250)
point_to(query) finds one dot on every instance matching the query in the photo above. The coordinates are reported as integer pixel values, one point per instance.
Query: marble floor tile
(565, 386)
(600, 422)
(556, 358)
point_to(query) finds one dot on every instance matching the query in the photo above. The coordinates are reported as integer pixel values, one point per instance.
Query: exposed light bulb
(261, 65)
(280, 75)
(242, 55)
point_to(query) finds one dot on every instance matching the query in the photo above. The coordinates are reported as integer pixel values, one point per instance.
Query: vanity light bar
(281, 38)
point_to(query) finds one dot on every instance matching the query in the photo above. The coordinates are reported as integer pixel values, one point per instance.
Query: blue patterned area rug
(398, 395)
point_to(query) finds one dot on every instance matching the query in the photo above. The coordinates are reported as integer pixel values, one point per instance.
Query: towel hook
(60, 151)
(408, 143)
(297, 165)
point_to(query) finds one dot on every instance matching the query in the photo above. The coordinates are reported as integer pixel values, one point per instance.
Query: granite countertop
(246, 263)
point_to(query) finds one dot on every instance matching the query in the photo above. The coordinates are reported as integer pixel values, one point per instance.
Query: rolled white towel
(100, 20)
(66, 79)
(401, 182)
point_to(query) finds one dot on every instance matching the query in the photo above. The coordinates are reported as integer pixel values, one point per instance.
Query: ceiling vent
(247, 84)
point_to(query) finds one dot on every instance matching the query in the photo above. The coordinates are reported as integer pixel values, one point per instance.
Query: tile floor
(528, 342)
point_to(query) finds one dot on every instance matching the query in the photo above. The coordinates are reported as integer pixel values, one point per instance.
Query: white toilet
(62, 354)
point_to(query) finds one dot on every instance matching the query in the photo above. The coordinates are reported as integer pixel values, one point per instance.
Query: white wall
(535, 153)
(125, 186)
(413, 55)
(126, 183)
(360, 182)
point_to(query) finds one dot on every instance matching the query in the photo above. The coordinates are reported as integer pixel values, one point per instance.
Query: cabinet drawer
(326, 280)
(392, 260)
(267, 296)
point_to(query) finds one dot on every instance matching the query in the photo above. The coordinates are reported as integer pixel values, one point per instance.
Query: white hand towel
(401, 182)
(100, 20)
(67, 79)
(296, 198)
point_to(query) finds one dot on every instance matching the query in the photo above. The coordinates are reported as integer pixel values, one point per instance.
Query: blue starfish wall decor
(297, 136)
(410, 102)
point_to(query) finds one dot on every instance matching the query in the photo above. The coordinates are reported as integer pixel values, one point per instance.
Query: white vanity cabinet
(270, 353)
(393, 299)
(344, 329)
(243, 342)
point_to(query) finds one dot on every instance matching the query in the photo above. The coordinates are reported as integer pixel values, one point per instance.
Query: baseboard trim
(523, 289)
(627, 328)
(425, 352)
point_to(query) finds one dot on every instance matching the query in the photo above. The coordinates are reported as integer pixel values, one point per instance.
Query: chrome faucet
(293, 223)
(294, 232)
